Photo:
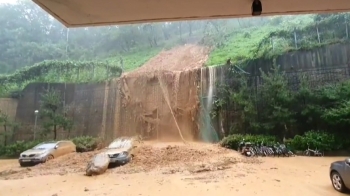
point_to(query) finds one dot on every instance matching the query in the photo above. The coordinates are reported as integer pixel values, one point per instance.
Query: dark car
(119, 151)
(340, 175)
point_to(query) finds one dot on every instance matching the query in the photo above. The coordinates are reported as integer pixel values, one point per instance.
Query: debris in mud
(225, 163)
(70, 163)
(149, 157)
(98, 165)
(155, 157)
(10, 172)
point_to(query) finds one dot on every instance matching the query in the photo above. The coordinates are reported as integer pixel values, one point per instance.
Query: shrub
(83, 144)
(317, 139)
(15, 149)
(86, 143)
(2, 150)
(232, 141)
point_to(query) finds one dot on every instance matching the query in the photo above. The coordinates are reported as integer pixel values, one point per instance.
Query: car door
(73, 148)
(62, 149)
(57, 152)
(65, 148)
(346, 174)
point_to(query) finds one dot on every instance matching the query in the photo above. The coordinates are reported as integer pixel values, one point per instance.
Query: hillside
(28, 42)
(180, 58)
(37, 37)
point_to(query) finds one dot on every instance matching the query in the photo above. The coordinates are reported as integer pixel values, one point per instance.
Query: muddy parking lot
(173, 169)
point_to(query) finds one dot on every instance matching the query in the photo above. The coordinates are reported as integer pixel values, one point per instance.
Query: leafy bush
(83, 144)
(232, 141)
(86, 143)
(317, 139)
(15, 149)
(2, 150)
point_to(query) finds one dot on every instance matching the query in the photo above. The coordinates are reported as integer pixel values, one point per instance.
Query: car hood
(337, 162)
(34, 151)
(110, 151)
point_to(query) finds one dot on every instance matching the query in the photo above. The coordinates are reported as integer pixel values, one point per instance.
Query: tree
(52, 112)
(276, 99)
(9, 127)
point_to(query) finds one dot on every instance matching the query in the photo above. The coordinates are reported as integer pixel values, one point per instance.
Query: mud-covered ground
(149, 157)
(173, 169)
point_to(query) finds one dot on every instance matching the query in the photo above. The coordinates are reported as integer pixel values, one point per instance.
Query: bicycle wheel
(321, 153)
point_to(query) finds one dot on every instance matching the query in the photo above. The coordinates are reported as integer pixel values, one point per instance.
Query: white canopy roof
(78, 13)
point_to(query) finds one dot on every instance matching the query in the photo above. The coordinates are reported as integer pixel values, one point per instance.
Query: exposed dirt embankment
(181, 58)
(160, 99)
(179, 157)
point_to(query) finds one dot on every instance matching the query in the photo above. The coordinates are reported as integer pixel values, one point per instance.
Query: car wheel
(49, 158)
(23, 164)
(337, 182)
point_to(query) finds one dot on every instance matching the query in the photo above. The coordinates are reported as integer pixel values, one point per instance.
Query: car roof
(64, 141)
(56, 142)
(49, 142)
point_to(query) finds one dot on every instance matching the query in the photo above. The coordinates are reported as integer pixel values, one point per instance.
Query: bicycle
(316, 152)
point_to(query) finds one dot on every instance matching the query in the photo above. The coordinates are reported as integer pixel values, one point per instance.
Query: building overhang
(83, 13)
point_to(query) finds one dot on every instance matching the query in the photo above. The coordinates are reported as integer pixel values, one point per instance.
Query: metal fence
(320, 33)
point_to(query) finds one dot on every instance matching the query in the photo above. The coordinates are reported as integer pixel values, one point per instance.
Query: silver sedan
(340, 175)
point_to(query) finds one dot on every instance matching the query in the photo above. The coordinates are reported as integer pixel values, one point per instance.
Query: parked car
(46, 151)
(340, 175)
(120, 151)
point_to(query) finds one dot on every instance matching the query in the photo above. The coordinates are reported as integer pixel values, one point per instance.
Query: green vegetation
(97, 54)
(9, 127)
(273, 108)
(58, 71)
(15, 149)
(86, 143)
(232, 141)
(136, 59)
(53, 113)
(281, 35)
(36, 48)
(54, 117)
(83, 144)
(321, 140)
(89, 54)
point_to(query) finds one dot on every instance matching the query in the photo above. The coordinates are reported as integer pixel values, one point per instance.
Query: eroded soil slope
(181, 58)
(162, 90)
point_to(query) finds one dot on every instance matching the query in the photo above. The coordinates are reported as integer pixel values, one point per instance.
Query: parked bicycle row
(249, 149)
(280, 150)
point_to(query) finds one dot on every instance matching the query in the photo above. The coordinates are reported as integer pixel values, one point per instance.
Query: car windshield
(45, 146)
(120, 144)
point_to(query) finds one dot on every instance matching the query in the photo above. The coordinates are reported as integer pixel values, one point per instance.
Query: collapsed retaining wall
(148, 104)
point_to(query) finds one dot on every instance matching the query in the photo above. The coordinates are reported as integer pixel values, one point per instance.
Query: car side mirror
(347, 161)
(56, 147)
